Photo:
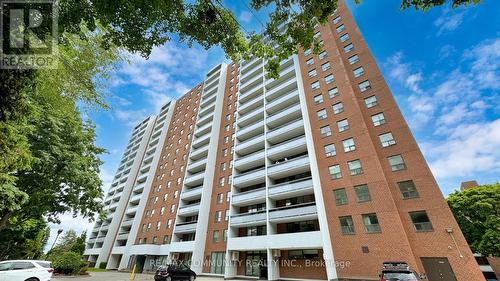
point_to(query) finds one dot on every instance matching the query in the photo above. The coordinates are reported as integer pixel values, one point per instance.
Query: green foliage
(103, 265)
(477, 211)
(428, 4)
(24, 239)
(68, 263)
(69, 242)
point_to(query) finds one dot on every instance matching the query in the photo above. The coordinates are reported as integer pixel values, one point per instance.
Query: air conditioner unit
(175, 256)
(235, 256)
(276, 253)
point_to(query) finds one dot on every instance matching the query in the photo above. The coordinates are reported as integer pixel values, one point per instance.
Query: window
(222, 167)
(344, 37)
(355, 167)
(303, 254)
(387, 139)
(358, 71)
(421, 221)
(348, 48)
(216, 236)
(220, 198)
(378, 119)
(354, 59)
(335, 172)
(321, 114)
(226, 217)
(336, 20)
(315, 85)
(256, 230)
(340, 28)
(340, 196)
(307, 52)
(338, 108)
(224, 235)
(329, 79)
(221, 181)
(333, 92)
(408, 189)
(371, 101)
(343, 125)
(364, 86)
(218, 216)
(172, 209)
(226, 139)
(312, 73)
(322, 55)
(371, 223)
(325, 131)
(217, 262)
(348, 145)
(346, 225)
(166, 239)
(325, 66)
(318, 99)
(20, 265)
(330, 150)
(158, 225)
(362, 193)
(310, 61)
(397, 163)
(155, 239)
(317, 34)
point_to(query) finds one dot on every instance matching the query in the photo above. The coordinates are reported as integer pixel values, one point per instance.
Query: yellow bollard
(132, 274)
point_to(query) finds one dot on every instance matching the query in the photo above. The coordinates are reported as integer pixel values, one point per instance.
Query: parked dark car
(398, 271)
(174, 272)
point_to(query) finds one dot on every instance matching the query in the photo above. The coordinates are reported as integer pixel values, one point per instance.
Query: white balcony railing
(289, 167)
(248, 219)
(299, 212)
(249, 197)
(291, 189)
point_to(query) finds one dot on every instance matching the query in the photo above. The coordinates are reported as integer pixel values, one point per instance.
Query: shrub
(103, 265)
(68, 263)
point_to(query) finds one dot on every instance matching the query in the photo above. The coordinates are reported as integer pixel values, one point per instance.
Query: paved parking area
(121, 276)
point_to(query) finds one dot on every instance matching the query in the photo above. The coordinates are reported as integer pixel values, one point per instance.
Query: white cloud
(404, 72)
(245, 16)
(131, 117)
(449, 21)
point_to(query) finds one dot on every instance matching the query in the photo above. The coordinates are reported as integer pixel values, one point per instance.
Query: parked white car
(25, 270)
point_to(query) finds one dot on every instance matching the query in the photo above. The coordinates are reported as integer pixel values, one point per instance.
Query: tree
(477, 211)
(24, 240)
(69, 242)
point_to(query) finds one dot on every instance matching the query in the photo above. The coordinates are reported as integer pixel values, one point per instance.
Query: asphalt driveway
(121, 276)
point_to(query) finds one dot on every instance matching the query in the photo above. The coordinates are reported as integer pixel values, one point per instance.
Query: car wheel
(168, 278)
(191, 278)
(32, 279)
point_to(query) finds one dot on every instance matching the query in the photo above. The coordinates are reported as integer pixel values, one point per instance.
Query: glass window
(221, 181)
(346, 225)
(5, 266)
(358, 71)
(378, 119)
(20, 265)
(325, 66)
(355, 167)
(333, 92)
(318, 99)
(321, 114)
(421, 221)
(348, 145)
(216, 236)
(220, 198)
(317, 34)
(371, 223)
(340, 28)
(329, 79)
(343, 125)
(336, 20)
(365, 85)
(362, 193)
(307, 52)
(348, 48)
(312, 73)
(344, 37)
(330, 150)
(218, 216)
(217, 262)
(335, 172)
(371, 101)
(397, 163)
(387, 139)
(325, 131)
(315, 85)
(310, 61)
(322, 55)
(354, 59)
(340, 196)
(408, 189)
(338, 108)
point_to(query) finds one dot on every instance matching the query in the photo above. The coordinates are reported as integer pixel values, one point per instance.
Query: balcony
(135, 198)
(287, 148)
(248, 94)
(250, 131)
(250, 145)
(251, 105)
(139, 187)
(193, 193)
(285, 132)
(290, 167)
(285, 115)
(252, 72)
(128, 222)
(250, 161)
(188, 210)
(205, 119)
(206, 110)
(252, 117)
(249, 197)
(249, 219)
(197, 166)
(185, 227)
(122, 236)
(285, 73)
(194, 180)
(280, 89)
(199, 142)
(182, 247)
(201, 130)
(207, 100)
(209, 87)
(247, 65)
(283, 102)
(300, 212)
(131, 210)
(291, 189)
(250, 178)
(199, 153)
(257, 80)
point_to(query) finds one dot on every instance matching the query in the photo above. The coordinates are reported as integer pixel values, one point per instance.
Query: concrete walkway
(121, 276)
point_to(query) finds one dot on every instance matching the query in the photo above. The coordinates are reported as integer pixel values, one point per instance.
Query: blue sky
(443, 67)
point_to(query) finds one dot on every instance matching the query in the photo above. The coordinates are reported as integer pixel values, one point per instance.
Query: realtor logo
(28, 34)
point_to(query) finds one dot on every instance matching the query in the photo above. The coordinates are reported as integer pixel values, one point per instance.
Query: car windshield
(399, 276)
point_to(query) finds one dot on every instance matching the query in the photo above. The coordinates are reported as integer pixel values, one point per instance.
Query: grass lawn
(93, 269)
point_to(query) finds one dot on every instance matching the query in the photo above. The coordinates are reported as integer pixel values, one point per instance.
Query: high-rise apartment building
(314, 175)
